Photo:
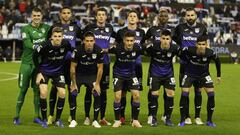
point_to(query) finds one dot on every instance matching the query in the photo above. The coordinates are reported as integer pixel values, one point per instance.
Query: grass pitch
(226, 114)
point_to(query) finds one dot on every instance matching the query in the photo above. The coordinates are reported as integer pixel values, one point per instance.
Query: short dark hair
(166, 33)
(191, 9)
(65, 7)
(57, 29)
(88, 34)
(129, 34)
(36, 9)
(202, 38)
(133, 11)
(163, 11)
(102, 9)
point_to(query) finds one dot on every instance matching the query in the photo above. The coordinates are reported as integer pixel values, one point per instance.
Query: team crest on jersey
(43, 30)
(39, 34)
(107, 29)
(197, 30)
(204, 59)
(24, 35)
(71, 28)
(94, 56)
(61, 50)
(169, 54)
(133, 53)
(137, 33)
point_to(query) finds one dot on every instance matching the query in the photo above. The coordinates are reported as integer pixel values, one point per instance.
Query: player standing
(33, 34)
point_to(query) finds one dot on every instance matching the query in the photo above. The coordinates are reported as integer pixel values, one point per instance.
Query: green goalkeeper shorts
(27, 73)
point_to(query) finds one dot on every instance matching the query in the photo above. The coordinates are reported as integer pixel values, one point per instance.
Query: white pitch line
(8, 79)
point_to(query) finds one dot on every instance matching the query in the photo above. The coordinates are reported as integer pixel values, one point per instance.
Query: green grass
(226, 114)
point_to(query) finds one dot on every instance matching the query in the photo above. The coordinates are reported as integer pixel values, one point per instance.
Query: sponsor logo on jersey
(71, 28)
(94, 56)
(190, 38)
(56, 58)
(197, 30)
(69, 37)
(137, 41)
(38, 40)
(102, 37)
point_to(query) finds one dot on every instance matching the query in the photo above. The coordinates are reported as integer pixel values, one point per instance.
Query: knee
(43, 94)
(61, 93)
(117, 98)
(136, 96)
(155, 93)
(170, 93)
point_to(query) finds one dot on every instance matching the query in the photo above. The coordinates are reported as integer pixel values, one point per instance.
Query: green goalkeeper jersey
(32, 36)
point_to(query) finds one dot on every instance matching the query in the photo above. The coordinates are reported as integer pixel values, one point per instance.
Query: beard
(191, 21)
(201, 52)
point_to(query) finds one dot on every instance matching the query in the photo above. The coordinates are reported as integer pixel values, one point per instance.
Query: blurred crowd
(222, 17)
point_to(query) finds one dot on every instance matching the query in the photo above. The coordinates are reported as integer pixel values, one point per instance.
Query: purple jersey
(125, 63)
(198, 65)
(161, 60)
(186, 35)
(52, 58)
(71, 32)
(140, 38)
(87, 62)
(155, 31)
(102, 37)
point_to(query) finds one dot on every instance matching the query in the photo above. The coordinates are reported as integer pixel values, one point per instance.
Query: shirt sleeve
(27, 42)
(118, 38)
(37, 54)
(74, 56)
(177, 36)
(217, 63)
(148, 34)
(100, 57)
(112, 49)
